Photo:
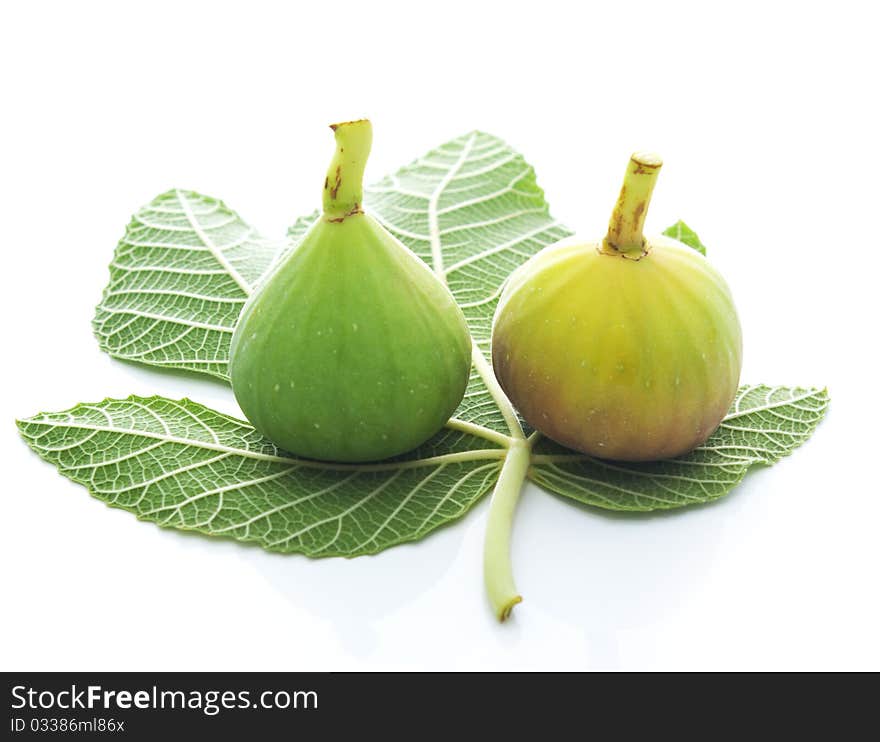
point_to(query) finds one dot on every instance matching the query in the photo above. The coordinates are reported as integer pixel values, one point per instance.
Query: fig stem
(497, 567)
(344, 184)
(628, 217)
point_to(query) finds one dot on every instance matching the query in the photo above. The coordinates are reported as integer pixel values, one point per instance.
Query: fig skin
(632, 355)
(351, 349)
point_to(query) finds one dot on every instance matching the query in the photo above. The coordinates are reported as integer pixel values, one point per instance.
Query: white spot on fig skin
(292, 383)
(253, 336)
(317, 425)
(384, 436)
(277, 387)
(354, 326)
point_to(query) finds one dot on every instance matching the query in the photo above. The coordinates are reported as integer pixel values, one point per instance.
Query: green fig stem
(628, 218)
(344, 184)
(497, 567)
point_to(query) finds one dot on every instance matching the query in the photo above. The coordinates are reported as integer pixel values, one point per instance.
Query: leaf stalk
(497, 566)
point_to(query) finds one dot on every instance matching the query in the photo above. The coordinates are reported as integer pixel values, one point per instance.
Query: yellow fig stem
(344, 184)
(628, 218)
(497, 568)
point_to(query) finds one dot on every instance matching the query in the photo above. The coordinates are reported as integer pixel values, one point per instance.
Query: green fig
(624, 348)
(351, 349)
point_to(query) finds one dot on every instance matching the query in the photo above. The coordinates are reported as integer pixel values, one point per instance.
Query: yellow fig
(623, 348)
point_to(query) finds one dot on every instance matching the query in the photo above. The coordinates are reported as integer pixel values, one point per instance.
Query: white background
(766, 115)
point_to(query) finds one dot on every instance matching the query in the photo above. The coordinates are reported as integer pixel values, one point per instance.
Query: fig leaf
(182, 465)
(472, 210)
(683, 233)
(764, 425)
(178, 280)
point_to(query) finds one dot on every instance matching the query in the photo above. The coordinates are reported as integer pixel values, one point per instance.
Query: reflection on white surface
(354, 596)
